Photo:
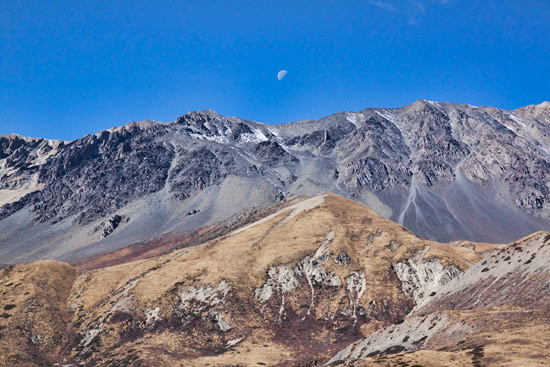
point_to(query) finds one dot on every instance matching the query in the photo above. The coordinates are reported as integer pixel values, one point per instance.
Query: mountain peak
(12, 136)
(208, 112)
(28, 139)
(422, 104)
(202, 116)
(425, 102)
(144, 124)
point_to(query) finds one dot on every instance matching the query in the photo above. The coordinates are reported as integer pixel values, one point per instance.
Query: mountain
(313, 281)
(445, 171)
(290, 288)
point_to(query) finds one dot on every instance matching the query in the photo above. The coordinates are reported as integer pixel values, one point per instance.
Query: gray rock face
(109, 226)
(421, 278)
(411, 335)
(444, 171)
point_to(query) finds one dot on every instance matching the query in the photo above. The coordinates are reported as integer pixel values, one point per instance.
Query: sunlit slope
(293, 287)
(497, 313)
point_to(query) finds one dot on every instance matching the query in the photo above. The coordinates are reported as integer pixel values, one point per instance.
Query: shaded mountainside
(290, 288)
(444, 171)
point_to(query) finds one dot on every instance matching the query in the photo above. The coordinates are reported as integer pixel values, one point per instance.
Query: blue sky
(68, 68)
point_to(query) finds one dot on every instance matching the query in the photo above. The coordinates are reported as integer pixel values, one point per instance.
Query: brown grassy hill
(495, 314)
(34, 315)
(291, 288)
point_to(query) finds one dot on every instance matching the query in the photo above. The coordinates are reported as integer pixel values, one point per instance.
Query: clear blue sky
(68, 68)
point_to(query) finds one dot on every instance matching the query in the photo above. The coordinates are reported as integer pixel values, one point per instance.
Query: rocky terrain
(445, 171)
(311, 281)
(290, 288)
(495, 314)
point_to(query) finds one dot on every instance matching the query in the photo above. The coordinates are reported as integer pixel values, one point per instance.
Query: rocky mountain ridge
(443, 170)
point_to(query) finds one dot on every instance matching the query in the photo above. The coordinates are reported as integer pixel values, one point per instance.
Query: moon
(281, 74)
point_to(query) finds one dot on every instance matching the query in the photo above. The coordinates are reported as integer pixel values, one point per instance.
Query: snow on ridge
(516, 120)
(217, 139)
(387, 115)
(255, 137)
(248, 138)
(273, 131)
(351, 118)
(259, 135)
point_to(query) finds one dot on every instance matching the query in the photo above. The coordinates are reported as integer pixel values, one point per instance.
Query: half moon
(281, 74)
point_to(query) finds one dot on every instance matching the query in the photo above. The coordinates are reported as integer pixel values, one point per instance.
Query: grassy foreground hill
(320, 278)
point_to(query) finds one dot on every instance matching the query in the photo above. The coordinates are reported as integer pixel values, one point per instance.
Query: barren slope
(289, 289)
(495, 314)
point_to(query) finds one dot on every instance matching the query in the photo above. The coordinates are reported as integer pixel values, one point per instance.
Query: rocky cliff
(445, 171)
(496, 313)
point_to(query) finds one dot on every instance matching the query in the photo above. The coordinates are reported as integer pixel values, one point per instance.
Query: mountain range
(445, 171)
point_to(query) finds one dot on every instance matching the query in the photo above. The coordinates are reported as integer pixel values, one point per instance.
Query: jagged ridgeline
(444, 171)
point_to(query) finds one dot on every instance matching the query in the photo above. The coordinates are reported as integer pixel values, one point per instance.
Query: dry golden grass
(243, 258)
(33, 303)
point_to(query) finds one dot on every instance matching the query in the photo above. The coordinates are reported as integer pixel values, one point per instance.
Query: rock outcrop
(496, 313)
